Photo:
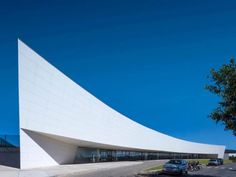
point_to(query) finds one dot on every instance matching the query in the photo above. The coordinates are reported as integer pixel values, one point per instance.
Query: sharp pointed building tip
(19, 40)
(22, 43)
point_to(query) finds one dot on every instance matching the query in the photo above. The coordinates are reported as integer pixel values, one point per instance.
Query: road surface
(132, 171)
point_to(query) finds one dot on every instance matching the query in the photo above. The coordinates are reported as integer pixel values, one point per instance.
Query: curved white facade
(57, 116)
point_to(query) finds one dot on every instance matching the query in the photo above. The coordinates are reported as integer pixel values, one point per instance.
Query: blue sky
(147, 59)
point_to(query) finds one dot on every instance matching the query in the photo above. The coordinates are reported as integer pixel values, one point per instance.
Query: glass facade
(92, 155)
(9, 141)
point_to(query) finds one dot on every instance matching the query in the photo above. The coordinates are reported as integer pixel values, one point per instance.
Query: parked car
(221, 161)
(213, 162)
(177, 166)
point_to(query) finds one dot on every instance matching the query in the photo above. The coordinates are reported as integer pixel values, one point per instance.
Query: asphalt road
(127, 171)
(219, 171)
(132, 171)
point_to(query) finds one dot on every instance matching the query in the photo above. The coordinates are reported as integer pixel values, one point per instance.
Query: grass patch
(227, 161)
(205, 161)
(155, 169)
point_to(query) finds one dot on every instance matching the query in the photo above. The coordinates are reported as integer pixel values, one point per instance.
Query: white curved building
(62, 123)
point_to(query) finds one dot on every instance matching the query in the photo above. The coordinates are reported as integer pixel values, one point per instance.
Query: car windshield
(174, 162)
(213, 160)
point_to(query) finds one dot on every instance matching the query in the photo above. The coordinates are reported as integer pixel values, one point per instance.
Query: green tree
(223, 84)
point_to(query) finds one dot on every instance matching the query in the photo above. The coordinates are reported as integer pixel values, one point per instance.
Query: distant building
(9, 150)
(230, 153)
(4, 143)
(62, 123)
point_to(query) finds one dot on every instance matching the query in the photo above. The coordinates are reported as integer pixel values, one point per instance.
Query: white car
(213, 162)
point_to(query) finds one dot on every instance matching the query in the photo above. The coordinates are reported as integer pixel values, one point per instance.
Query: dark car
(213, 162)
(175, 167)
(221, 161)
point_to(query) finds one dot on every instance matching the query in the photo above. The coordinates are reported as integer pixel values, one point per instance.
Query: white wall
(232, 154)
(38, 150)
(53, 104)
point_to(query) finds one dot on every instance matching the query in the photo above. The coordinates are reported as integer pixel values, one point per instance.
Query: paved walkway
(127, 171)
(70, 170)
(8, 171)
